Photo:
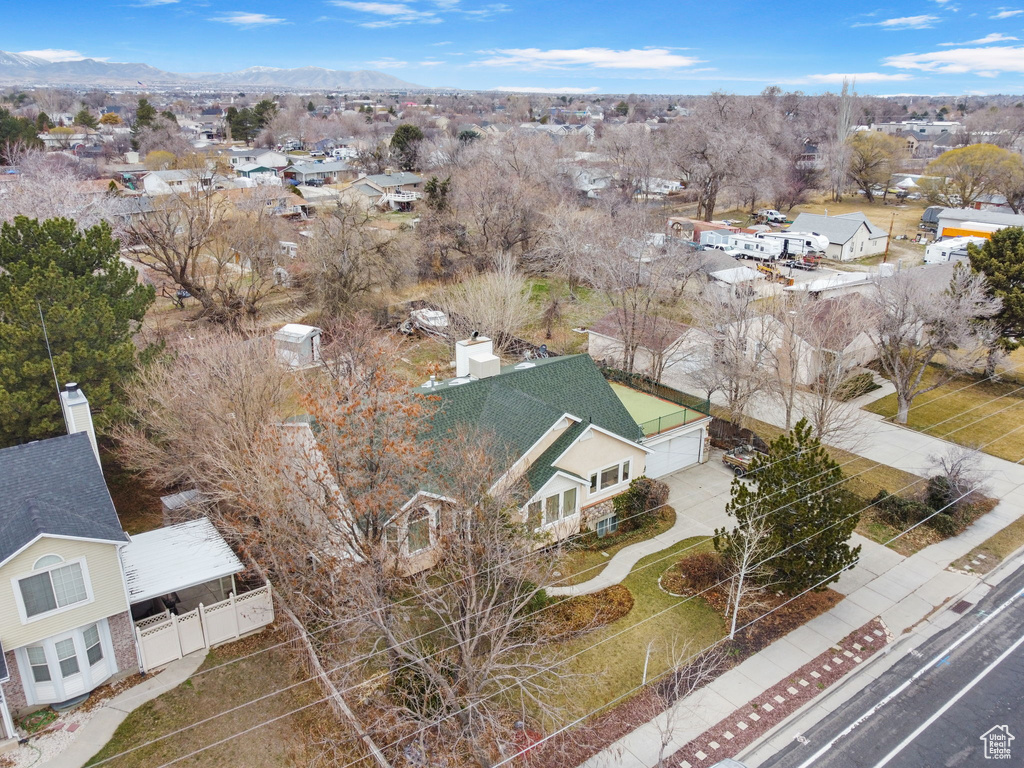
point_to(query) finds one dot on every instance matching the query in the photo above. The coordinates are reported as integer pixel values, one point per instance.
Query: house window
(66, 656)
(37, 659)
(607, 525)
(391, 535)
(533, 514)
(551, 509)
(610, 476)
(55, 588)
(419, 530)
(93, 649)
(569, 502)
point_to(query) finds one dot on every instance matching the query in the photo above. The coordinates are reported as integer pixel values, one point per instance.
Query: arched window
(47, 560)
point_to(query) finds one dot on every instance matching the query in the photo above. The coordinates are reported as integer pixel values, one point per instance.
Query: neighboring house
(180, 182)
(327, 172)
(267, 157)
(969, 222)
(397, 191)
(660, 341)
(850, 235)
(255, 170)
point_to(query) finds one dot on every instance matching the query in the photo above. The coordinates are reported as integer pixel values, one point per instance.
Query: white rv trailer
(743, 246)
(798, 243)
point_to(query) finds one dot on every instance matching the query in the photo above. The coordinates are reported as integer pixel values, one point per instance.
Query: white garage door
(674, 454)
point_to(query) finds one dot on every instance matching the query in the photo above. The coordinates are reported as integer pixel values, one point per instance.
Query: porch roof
(176, 557)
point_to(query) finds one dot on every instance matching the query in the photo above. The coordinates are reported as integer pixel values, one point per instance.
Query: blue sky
(924, 47)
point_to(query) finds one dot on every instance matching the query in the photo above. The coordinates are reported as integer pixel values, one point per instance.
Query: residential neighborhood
(347, 421)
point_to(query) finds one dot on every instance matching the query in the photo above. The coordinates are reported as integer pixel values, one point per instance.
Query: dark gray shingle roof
(54, 487)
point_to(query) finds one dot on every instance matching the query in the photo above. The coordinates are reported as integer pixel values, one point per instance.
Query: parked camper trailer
(950, 249)
(798, 243)
(744, 246)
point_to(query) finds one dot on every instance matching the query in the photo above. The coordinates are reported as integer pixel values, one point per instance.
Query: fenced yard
(167, 636)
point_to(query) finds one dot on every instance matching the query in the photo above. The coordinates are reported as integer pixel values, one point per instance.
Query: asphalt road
(933, 707)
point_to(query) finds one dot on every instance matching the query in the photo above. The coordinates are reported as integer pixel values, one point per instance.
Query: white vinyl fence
(167, 637)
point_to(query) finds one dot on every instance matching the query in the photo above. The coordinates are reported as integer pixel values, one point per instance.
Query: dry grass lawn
(991, 552)
(285, 742)
(988, 415)
(615, 667)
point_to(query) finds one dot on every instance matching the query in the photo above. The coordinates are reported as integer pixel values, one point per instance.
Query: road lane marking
(909, 681)
(960, 694)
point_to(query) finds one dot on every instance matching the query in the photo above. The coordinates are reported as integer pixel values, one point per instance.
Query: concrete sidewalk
(698, 495)
(99, 728)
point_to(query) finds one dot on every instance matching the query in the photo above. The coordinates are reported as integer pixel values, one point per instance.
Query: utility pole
(885, 258)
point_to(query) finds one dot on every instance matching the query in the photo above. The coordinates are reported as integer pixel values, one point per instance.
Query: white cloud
(538, 89)
(860, 77)
(446, 42)
(995, 37)
(429, 63)
(153, 3)
(986, 62)
(387, 63)
(925, 21)
(394, 14)
(1006, 14)
(600, 58)
(243, 19)
(61, 54)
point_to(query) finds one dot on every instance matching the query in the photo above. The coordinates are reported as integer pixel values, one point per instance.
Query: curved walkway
(698, 495)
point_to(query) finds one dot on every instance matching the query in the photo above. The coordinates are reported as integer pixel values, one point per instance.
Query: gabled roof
(838, 229)
(54, 487)
(522, 403)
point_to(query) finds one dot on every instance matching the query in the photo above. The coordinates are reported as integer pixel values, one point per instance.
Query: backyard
(971, 411)
(289, 741)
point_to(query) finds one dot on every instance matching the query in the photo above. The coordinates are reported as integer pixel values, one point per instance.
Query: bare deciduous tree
(919, 322)
(223, 255)
(348, 259)
(497, 304)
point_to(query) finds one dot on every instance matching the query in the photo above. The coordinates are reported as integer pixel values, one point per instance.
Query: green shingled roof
(523, 403)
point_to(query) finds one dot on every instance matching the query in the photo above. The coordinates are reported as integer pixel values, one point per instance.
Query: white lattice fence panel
(190, 632)
(254, 609)
(158, 643)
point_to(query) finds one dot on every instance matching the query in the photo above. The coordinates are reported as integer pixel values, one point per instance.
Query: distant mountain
(19, 69)
(310, 77)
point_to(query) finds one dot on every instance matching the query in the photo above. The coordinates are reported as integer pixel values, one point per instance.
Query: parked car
(317, 153)
(315, 183)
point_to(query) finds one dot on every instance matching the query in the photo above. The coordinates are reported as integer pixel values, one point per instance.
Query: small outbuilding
(298, 345)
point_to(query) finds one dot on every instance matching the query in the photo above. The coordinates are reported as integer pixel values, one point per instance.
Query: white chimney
(77, 414)
(475, 357)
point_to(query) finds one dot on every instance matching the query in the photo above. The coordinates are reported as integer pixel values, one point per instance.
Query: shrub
(855, 386)
(898, 511)
(703, 570)
(945, 524)
(585, 612)
(637, 507)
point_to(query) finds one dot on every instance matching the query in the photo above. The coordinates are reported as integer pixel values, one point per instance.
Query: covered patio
(178, 567)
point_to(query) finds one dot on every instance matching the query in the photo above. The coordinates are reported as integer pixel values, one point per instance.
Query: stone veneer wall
(594, 513)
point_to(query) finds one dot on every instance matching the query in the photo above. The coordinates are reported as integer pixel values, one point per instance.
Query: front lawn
(285, 742)
(586, 558)
(969, 411)
(613, 668)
